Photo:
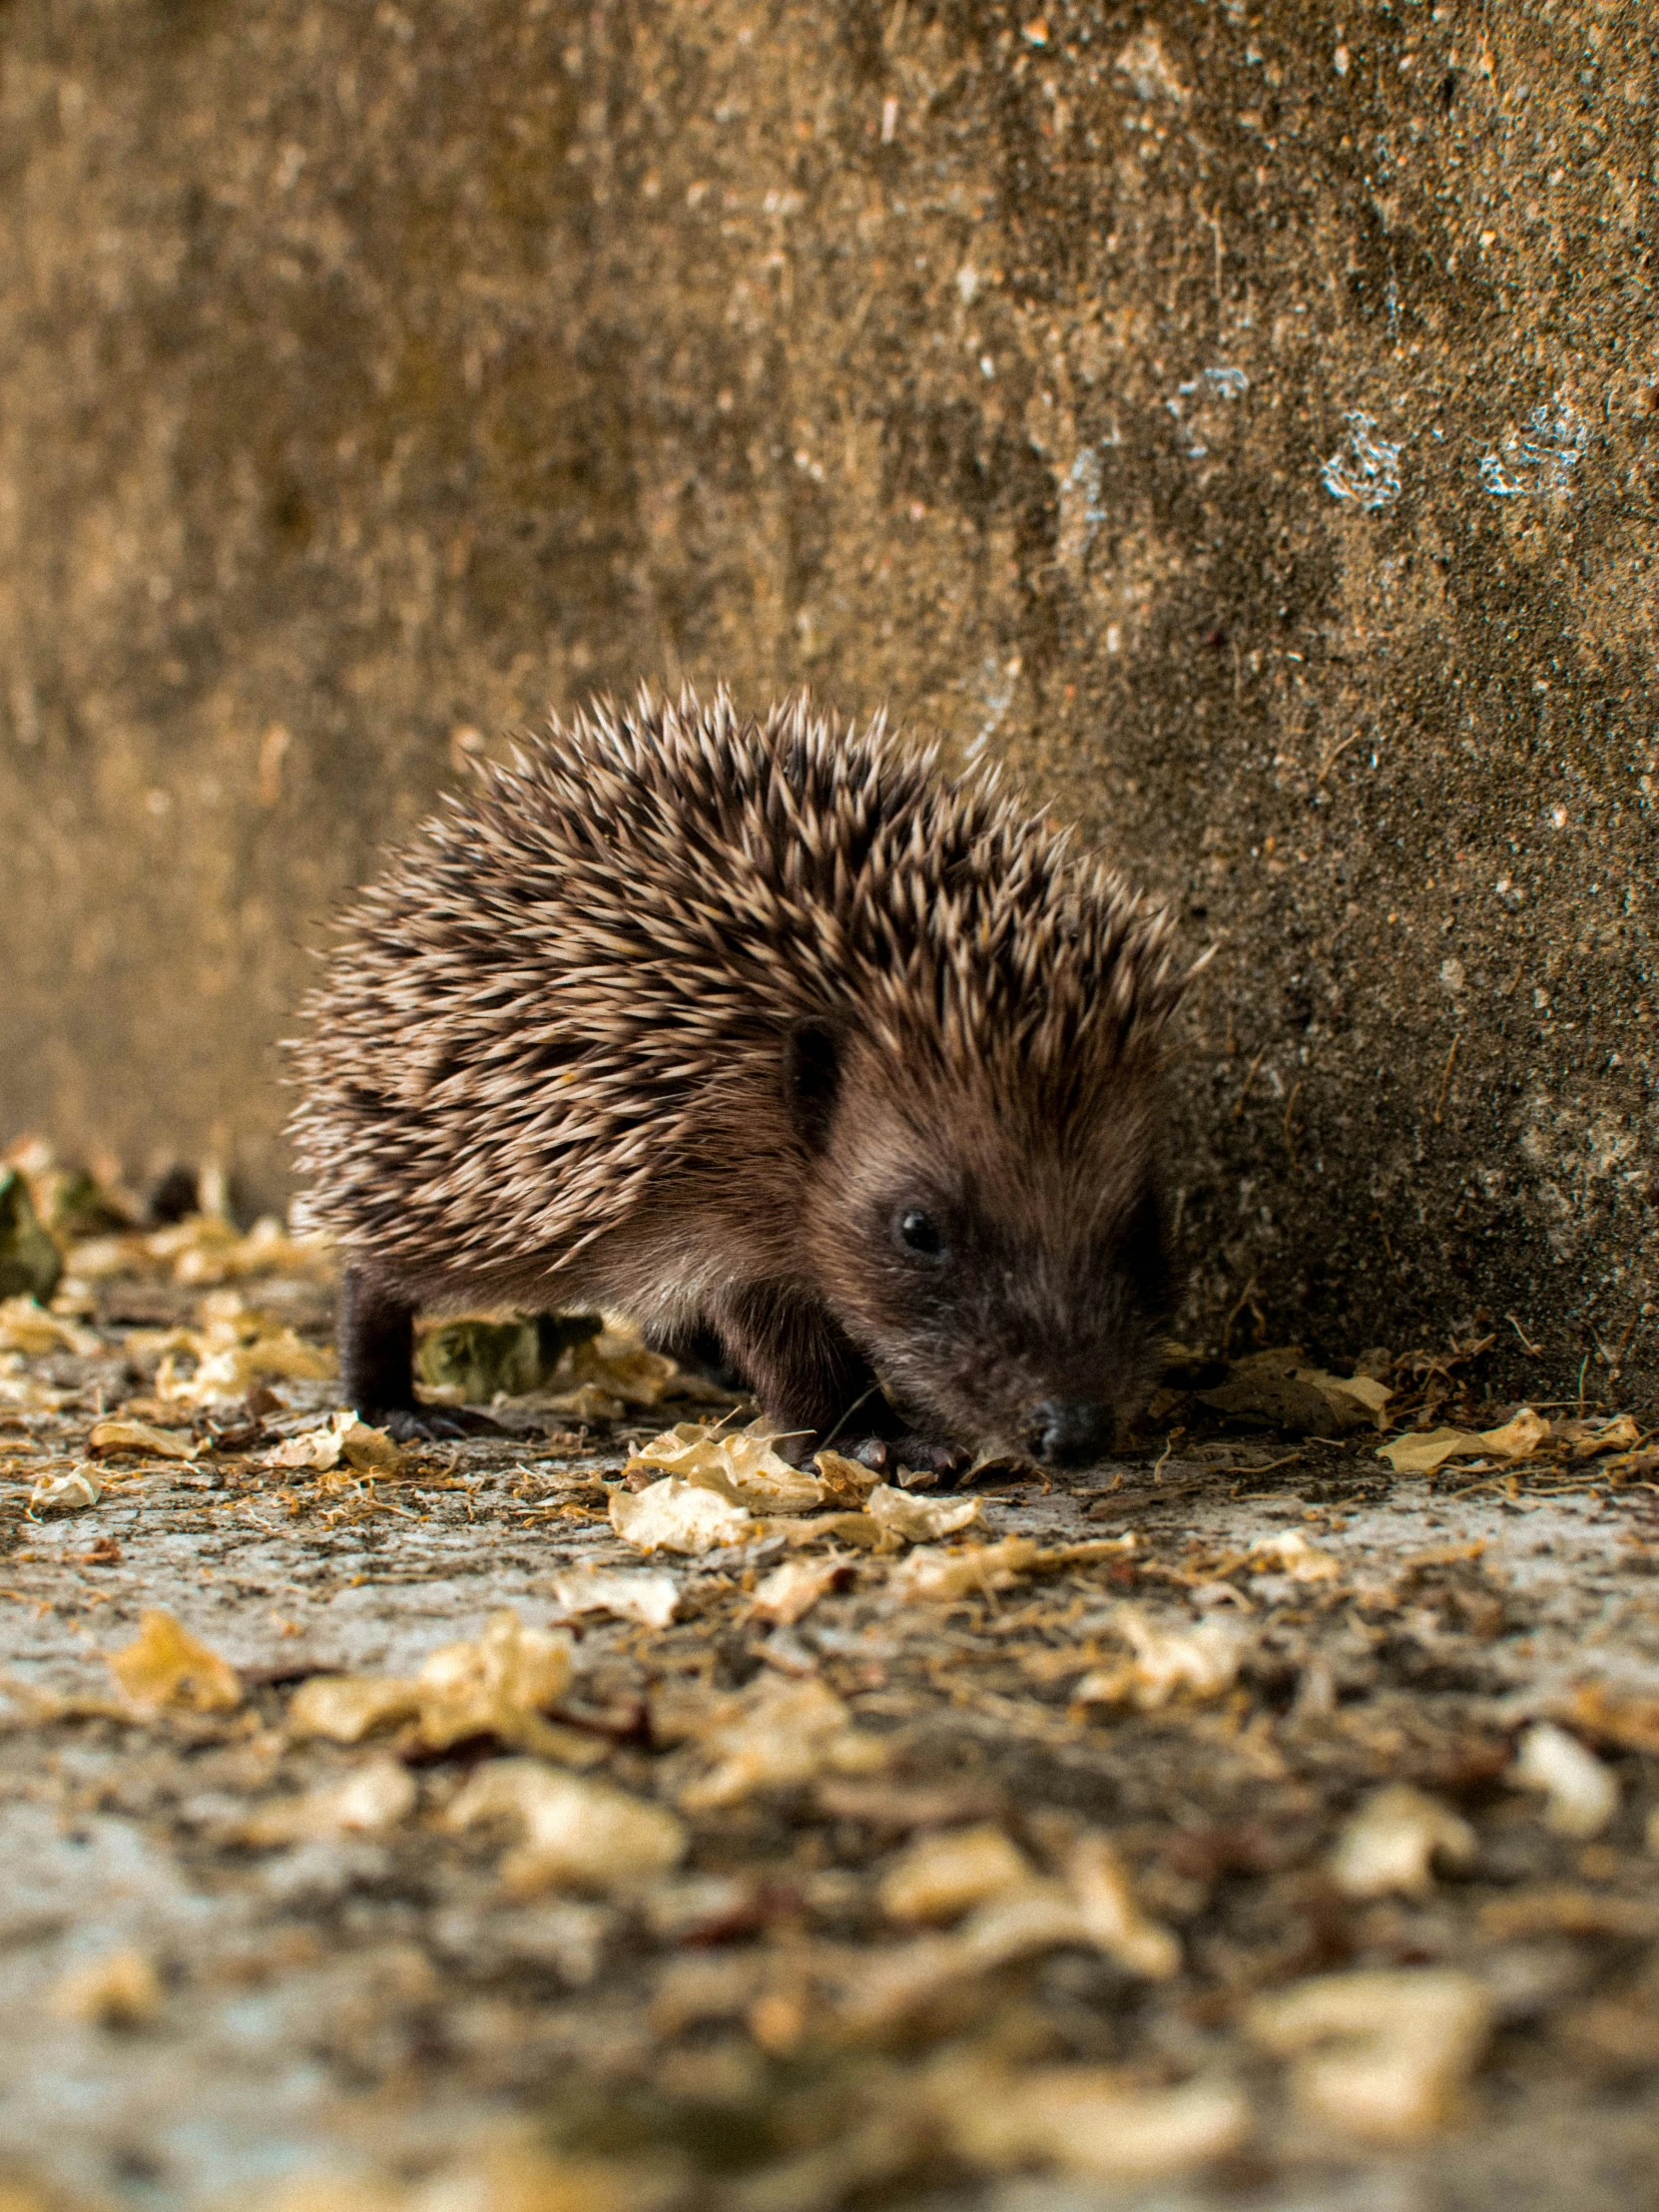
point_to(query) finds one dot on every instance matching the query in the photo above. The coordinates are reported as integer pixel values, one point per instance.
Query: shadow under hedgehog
(767, 1035)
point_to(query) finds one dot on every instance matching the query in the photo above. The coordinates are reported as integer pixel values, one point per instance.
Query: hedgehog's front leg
(813, 1382)
(805, 1373)
(377, 1364)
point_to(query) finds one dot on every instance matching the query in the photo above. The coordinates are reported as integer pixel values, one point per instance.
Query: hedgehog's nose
(1070, 1433)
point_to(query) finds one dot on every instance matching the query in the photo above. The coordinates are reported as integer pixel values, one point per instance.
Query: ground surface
(218, 1985)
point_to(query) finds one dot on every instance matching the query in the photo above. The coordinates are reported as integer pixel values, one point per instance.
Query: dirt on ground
(1253, 1820)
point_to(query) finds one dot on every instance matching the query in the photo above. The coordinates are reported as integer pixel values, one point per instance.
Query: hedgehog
(816, 1062)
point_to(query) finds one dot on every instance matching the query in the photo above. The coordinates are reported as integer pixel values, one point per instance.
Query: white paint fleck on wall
(1540, 459)
(1368, 472)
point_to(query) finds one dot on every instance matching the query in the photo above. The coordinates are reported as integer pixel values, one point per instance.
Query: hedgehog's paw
(928, 1457)
(431, 1425)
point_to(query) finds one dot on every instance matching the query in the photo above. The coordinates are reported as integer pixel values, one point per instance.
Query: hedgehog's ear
(811, 1080)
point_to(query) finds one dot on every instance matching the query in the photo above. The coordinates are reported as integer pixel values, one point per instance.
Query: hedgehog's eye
(920, 1232)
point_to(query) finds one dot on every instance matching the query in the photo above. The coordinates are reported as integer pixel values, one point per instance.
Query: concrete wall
(1241, 418)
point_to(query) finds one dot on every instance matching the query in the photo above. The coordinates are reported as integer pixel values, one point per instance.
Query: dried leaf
(371, 1800)
(776, 1735)
(1582, 1795)
(942, 1576)
(576, 1833)
(498, 1685)
(345, 1708)
(28, 1327)
(1199, 1660)
(940, 1876)
(1518, 1439)
(673, 1515)
(1632, 1723)
(920, 1520)
(1421, 1455)
(791, 1591)
(630, 1593)
(1294, 1556)
(1389, 1846)
(118, 1435)
(231, 1369)
(1091, 2120)
(740, 1465)
(1384, 2056)
(1099, 1880)
(167, 1665)
(845, 1481)
(68, 1491)
(1620, 1434)
(342, 1439)
(121, 1989)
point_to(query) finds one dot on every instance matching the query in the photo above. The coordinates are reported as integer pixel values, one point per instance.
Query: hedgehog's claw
(429, 1424)
(925, 1456)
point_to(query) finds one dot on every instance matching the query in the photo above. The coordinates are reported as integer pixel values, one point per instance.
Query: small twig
(1446, 1076)
(1227, 1328)
(1532, 1351)
(1332, 756)
(846, 1417)
(1290, 1108)
(1244, 1089)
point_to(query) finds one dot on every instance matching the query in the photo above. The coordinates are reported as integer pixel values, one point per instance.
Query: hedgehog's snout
(1070, 1433)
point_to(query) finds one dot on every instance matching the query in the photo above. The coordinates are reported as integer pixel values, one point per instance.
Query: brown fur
(687, 1016)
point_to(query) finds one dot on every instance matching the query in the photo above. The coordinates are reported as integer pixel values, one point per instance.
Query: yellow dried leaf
(343, 1438)
(67, 1490)
(617, 1363)
(1423, 1454)
(1620, 1434)
(1294, 1556)
(631, 1594)
(1091, 2120)
(942, 1876)
(373, 1798)
(1582, 1795)
(1520, 1438)
(791, 1591)
(1099, 1880)
(499, 1685)
(1389, 1846)
(740, 1465)
(673, 1515)
(231, 1369)
(1383, 2057)
(345, 1708)
(119, 1434)
(168, 1666)
(1197, 1659)
(945, 1575)
(919, 1519)
(845, 1481)
(121, 1989)
(28, 1327)
(576, 1833)
(776, 1735)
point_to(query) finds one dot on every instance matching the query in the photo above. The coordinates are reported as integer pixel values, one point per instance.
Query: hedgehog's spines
(653, 895)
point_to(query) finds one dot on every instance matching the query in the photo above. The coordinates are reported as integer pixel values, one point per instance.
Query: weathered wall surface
(1242, 418)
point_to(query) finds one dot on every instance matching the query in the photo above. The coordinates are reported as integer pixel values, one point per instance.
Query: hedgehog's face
(1006, 1278)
